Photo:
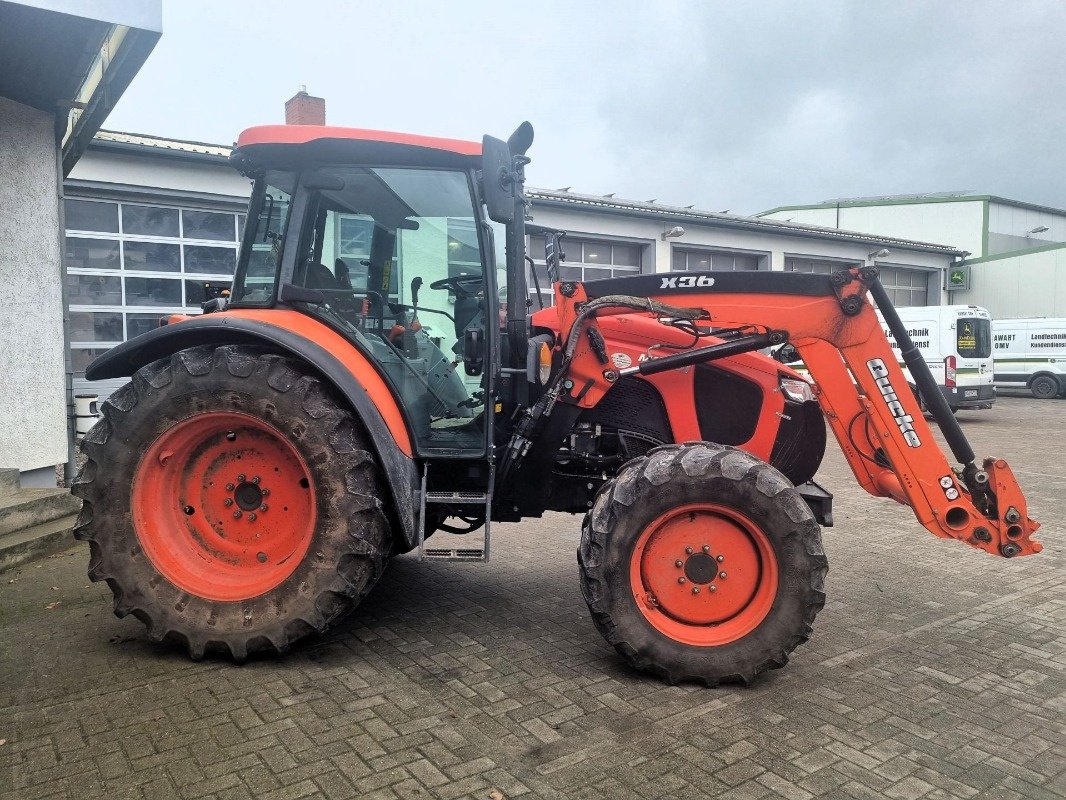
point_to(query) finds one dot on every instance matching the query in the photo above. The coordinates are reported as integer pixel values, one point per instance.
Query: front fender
(335, 360)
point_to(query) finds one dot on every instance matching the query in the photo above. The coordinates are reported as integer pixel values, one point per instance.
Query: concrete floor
(935, 671)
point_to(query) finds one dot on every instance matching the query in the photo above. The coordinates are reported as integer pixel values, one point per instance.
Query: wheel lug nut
(262, 557)
(229, 487)
(721, 575)
(240, 478)
(255, 479)
(678, 563)
(231, 436)
(712, 588)
(695, 589)
(237, 514)
(706, 548)
(228, 502)
(680, 580)
(266, 492)
(688, 550)
(251, 517)
(719, 559)
(264, 508)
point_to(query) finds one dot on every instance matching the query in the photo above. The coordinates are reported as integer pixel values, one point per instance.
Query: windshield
(974, 337)
(261, 253)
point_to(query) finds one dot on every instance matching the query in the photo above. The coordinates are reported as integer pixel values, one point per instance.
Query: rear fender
(330, 355)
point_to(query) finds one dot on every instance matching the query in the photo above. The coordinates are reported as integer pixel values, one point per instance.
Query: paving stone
(934, 672)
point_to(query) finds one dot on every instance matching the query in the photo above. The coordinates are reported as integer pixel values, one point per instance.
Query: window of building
(817, 266)
(586, 260)
(906, 287)
(126, 264)
(150, 221)
(691, 259)
(84, 215)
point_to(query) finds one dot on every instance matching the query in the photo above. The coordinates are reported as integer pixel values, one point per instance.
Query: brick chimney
(303, 109)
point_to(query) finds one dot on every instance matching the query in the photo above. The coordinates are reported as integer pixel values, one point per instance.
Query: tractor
(384, 369)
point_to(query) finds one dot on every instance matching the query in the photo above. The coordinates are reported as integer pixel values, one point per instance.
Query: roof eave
(740, 223)
(134, 148)
(123, 66)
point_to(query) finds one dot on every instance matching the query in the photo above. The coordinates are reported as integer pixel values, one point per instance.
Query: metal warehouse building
(1015, 262)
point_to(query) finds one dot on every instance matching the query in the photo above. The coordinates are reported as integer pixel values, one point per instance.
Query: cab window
(265, 238)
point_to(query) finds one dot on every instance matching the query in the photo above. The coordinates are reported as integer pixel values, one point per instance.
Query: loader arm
(859, 385)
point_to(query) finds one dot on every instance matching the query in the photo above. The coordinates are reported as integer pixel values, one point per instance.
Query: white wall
(958, 224)
(1008, 226)
(33, 417)
(158, 173)
(1032, 285)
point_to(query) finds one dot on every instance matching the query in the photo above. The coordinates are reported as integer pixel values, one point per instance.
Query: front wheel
(701, 562)
(231, 502)
(1044, 387)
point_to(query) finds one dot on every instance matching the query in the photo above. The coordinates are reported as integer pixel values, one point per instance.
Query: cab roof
(298, 145)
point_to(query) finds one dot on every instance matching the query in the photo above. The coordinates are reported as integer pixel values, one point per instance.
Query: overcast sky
(740, 106)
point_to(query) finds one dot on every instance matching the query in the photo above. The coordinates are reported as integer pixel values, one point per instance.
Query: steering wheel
(458, 284)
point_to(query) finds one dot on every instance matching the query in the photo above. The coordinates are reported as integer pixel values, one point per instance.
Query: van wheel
(1045, 387)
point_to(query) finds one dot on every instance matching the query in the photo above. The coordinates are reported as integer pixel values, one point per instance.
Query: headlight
(796, 390)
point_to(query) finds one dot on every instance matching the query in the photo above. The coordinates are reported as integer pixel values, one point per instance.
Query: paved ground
(935, 671)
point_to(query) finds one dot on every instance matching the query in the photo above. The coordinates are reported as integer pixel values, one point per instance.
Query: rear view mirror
(323, 182)
(496, 182)
(520, 141)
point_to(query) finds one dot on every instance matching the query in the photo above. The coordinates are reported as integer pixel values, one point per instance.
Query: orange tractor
(381, 371)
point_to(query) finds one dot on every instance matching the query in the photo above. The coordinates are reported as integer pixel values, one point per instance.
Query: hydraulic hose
(923, 378)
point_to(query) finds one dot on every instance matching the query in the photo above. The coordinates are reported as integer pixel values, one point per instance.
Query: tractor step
(475, 498)
(454, 498)
(452, 554)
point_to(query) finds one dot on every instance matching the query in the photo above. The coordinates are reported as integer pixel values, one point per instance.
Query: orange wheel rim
(223, 506)
(704, 574)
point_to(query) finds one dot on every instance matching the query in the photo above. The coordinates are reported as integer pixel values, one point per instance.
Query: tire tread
(693, 460)
(368, 530)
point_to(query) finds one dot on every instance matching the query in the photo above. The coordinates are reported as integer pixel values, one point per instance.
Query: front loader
(379, 373)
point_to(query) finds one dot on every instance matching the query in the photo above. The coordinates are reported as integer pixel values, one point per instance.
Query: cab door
(398, 257)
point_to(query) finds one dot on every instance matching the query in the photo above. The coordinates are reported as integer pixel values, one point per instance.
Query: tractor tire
(1045, 387)
(231, 502)
(699, 562)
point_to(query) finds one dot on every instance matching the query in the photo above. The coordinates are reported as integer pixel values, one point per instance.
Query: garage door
(906, 287)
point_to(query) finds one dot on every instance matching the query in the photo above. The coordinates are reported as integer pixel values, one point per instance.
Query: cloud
(726, 105)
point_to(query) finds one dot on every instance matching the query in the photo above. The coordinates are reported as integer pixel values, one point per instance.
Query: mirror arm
(517, 288)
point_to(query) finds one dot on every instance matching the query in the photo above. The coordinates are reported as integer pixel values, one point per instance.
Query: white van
(1031, 354)
(956, 342)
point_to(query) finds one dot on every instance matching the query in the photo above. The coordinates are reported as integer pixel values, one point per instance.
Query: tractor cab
(382, 237)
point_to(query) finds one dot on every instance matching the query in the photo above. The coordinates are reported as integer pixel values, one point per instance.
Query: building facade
(64, 65)
(1015, 263)
(151, 227)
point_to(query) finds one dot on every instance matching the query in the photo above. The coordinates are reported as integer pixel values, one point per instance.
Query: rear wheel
(701, 562)
(1045, 387)
(231, 502)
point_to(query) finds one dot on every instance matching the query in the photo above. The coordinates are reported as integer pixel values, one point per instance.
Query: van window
(974, 337)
